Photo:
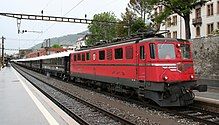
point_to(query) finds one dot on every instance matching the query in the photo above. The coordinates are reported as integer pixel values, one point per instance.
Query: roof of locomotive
(55, 55)
(148, 35)
(133, 40)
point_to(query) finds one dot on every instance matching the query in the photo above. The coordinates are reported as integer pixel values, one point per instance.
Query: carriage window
(75, 57)
(101, 55)
(152, 50)
(142, 53)
(88, 56)
(129, 52)
(78, 57)
(83, 57)
(109, 54)
(118, 53)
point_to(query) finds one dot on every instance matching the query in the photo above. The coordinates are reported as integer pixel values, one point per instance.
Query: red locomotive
(160, 69)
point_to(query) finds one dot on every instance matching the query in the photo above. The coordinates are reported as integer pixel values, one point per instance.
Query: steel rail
(111, 115)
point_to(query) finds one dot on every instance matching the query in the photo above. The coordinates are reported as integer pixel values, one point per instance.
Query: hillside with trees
(63, 40)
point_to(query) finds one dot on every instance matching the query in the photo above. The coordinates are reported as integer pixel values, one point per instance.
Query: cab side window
(118, 53)
(101, 55)
(142, 52)
(129, 52)
(79, 57)
(152, 50)
(75, 57)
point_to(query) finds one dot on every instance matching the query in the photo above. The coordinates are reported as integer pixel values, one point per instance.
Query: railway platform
(23, 104)
(212, 95)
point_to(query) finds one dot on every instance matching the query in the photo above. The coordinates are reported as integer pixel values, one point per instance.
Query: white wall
(180, 28)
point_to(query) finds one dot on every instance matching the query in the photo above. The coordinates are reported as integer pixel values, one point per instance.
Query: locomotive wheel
(130, 94)
(111, 89)
(144, 100)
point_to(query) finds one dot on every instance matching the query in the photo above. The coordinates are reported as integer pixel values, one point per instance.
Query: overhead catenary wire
(16, 39)
(64, 15)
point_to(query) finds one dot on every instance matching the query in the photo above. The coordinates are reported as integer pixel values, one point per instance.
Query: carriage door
(141, 63)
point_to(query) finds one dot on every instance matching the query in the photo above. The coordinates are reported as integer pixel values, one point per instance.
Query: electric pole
(3, 50)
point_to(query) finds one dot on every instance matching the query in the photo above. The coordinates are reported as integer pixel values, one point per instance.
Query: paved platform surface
(212, 95)
(23, 104)
(211, 83)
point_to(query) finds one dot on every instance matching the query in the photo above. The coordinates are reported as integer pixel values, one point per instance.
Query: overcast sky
(8, 26)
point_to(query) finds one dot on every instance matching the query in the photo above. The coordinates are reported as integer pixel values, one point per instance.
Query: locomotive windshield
(185, 51)
(166, 51)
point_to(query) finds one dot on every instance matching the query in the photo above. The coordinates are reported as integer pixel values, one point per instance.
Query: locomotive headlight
(178, 45)
(165, 78)
(192, 77)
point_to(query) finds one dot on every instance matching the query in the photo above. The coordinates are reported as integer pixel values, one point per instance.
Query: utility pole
(3, 50)
(47, 46)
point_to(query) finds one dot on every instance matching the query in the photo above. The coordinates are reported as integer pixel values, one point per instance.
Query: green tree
(130, 24)
(102, 30)
(141, 7)
(181, 7)
(56, 46)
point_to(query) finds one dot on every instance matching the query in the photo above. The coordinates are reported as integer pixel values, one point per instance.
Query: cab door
(141, 62)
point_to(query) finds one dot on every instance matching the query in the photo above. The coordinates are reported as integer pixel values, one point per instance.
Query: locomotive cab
(171, 61)
(169, 71)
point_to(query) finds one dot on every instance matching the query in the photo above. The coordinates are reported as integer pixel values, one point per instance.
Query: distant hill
(63, 40)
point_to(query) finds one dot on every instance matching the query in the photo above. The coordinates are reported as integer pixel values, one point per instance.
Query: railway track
(190, 112)
(206, 117)
(83, 112)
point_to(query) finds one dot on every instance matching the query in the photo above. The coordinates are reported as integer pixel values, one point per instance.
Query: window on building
(83, 57)
(101, 55)
(197, 31)
(118, 53)
(109, 54)
(129, 52)
(155, 11)
(198, 13)
(217, 7)
(160, 9)
(174, 20)
(217, 25)
(79, 57)
(210, 9)
(169, 35)
(87, 56)
(152, 50)
(169, 22)
(75, 57)
(210, 28)
(174, 34)
(142, 53)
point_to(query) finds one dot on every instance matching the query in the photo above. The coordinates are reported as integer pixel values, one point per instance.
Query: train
(154, 68)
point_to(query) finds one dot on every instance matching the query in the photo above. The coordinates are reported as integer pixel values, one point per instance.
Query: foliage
(130, 23)
(56, 46)
(102, 30)
(141, 7)
(181, 7)
(63, 40)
